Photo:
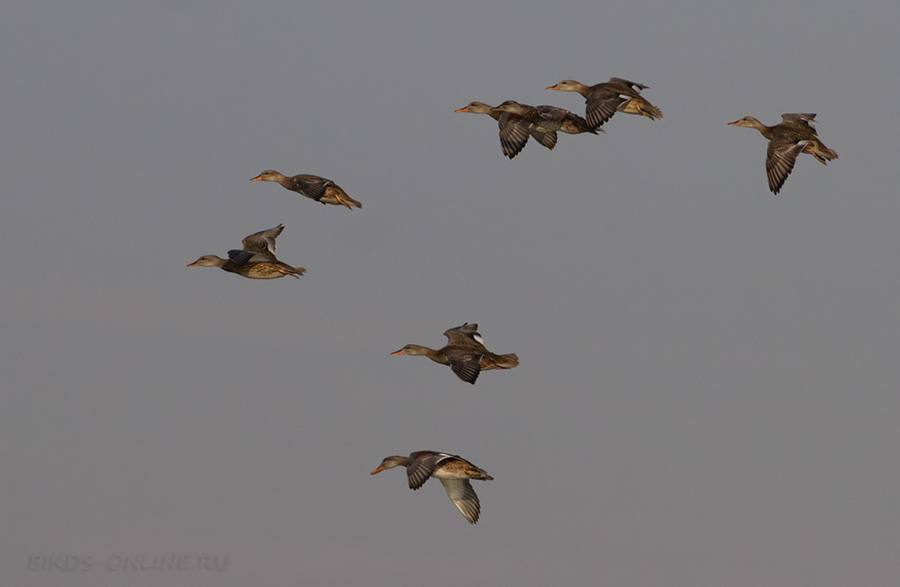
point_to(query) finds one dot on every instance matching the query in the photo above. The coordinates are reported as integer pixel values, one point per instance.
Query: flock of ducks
(257, 260)
(518, 122)
(465, 352)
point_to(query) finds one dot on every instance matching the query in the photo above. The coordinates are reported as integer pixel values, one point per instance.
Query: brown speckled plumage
(453, 471)
(465, 353)
(314, 187)
(796, 134)
(256, 260)
(603, 100)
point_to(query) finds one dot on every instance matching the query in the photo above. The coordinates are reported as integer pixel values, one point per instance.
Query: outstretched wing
(466, 365)
(780, 158)
(263, 242)
(422, 465)
(803, 120)
(463, 497)
(464, 334)
(601, 106)
(634, 86)
(513, 134)
(544, 137)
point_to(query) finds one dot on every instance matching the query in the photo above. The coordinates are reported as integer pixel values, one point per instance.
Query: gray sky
(707, 393)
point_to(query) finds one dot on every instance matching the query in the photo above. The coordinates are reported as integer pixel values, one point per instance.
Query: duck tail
(653, 113)
(583, 126)
(479, 474)
(349, 202)
(508, 361)
(822, 153)
(642, 107)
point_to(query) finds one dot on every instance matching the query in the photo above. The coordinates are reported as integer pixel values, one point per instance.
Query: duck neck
(287, 182)
(766, 131)
(584, 90)
(438, 356)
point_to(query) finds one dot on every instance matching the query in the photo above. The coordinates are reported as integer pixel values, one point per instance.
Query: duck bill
(556, 87)
(735, 123)
(194, 264)
(257, 178)
(400, 352)
(466, 109)
(376, 471)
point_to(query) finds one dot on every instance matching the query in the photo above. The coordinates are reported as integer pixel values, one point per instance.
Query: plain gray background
(708, 389)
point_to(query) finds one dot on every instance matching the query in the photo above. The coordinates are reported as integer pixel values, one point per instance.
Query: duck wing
(247, 257)
(633, 86)
(514, 132)
(602, 104)
(806, 121)
(466, 364)
(546, 138)
(422, 465)
(312, 186)
(465, 334)
(263, 242)
(463, 497)
(780, 158)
